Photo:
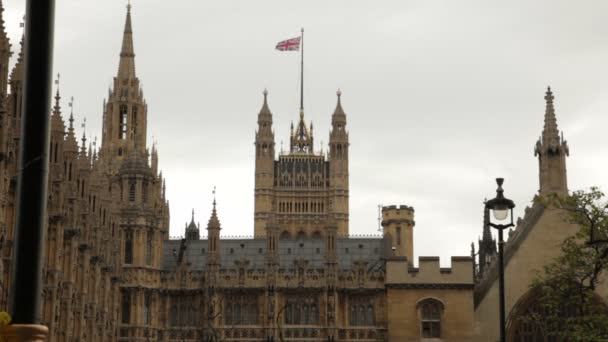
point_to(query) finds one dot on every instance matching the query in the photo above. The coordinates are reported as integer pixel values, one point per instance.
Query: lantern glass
(501, 212)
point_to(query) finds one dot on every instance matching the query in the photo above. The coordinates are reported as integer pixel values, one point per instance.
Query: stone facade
(112, 274)
(535, 241)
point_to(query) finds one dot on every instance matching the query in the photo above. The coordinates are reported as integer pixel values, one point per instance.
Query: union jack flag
(292, 44)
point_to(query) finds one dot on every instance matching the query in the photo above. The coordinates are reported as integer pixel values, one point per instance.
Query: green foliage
(566, 304)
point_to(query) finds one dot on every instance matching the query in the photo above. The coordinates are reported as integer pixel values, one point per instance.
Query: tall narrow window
(228, 318)
(128, 247)
(370, 315)
(126, 308)
(149, 240)
(399, 236)
(134, 120)
(314, 315)
(122, 124)
(146, 309)
(237, 314)
(132, 190)
(431, 318)
(352, 319)
(173, 314)
(144, 192)
(288, 319)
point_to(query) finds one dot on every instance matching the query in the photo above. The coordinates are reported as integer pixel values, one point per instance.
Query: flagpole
(302, 72)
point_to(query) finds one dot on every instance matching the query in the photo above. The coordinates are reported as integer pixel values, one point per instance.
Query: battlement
(429, 271)
(397, 214)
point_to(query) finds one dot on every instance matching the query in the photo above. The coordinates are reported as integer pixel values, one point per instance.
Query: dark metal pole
(501, 285)
(302, 70)
(34, 160)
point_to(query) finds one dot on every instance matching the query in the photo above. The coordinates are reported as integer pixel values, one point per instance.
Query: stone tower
(338, 167)
(303, 189)
(264, 168)
(125, 112)
(551, 149)
(398, 229)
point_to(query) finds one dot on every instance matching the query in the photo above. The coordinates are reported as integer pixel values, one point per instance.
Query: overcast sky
(441, 97)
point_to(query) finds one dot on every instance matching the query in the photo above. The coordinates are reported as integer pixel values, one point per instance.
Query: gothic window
(431, 318)
(149, 247)
(237, 315)
(370, 315)
(245, 319)
(134, 120)
(144, 192)
(132, 190)
(353, 315)
(122, 124)
(314, 315)
(305, 314)
(228, 318)
(128, 247)
(56, 145)
(146, 309)
(173, 315)
(288, 314)
(399, 236)
(361, 315)
(126, 308)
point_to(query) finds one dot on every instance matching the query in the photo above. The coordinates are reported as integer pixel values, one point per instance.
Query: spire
(339, 111)
(550, 137)
(265, 109)
(126, 67)
(338, 121)
(301, 139)
(551, 149)
(214, 222)
(57, 124)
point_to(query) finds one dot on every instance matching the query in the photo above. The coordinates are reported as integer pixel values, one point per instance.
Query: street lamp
(500, 207)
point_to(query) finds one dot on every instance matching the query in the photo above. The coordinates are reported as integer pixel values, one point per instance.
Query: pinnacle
(550, 136)
(126, 67)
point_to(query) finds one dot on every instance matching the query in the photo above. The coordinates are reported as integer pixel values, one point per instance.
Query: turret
(192, 230)
(338, 166)
(5, 52)
(264, 168)
(487, 244)
(552, 149)
(125, 113)
(213, 238)
(398, 228)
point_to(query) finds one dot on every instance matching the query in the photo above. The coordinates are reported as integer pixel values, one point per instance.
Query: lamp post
(500, 207)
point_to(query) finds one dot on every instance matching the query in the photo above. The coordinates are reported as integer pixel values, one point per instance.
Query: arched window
(398, 236)
(361, 315)
(296, 314)
(245, 320)
(173, 315)
(126, 308)
(128, 247)
(149, 247)
(288, 314)
(370, 315)
(237, 314)
(314, 315)
(353, 315)
(132, 190)
(305, 314)
(146, 309)
(253, 318)
(431, 318)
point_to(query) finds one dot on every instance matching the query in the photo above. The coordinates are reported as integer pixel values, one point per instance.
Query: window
(301, 310)
(361, 311)
(146, 309)
(126, 308)
(431, 318)
(144, 192)
(149, 240)
(132, 190)
(122, 124)
(398, 236)
(128, 247)
(241, 310)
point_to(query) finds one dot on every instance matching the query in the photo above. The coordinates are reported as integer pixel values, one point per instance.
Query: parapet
(397, 214)
(429, 272)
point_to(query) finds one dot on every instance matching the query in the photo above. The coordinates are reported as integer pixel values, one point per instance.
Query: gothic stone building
(112, 274)
(534, 242)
